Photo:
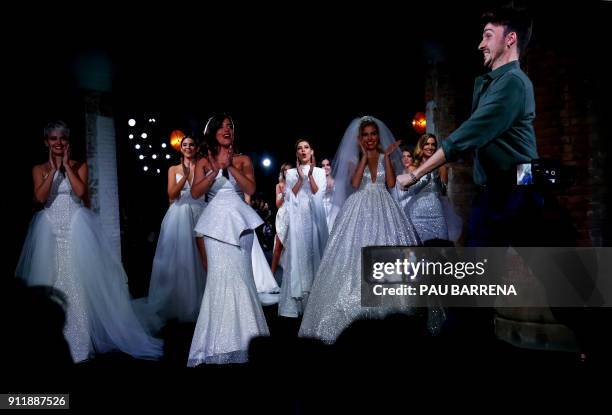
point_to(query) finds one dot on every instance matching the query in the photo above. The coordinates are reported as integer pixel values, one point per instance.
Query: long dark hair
(197, 155)
(210, 132)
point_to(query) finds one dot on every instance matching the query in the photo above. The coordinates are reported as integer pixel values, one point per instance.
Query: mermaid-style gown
(369, 217)
(230, 313)
(65, 248)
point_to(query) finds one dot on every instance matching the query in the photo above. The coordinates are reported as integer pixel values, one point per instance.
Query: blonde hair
(281, 174)
(417, 155)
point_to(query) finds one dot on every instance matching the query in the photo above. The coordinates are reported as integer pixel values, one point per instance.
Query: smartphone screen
(524, 175)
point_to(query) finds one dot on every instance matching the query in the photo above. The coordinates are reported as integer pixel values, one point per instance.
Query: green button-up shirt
(500, 128)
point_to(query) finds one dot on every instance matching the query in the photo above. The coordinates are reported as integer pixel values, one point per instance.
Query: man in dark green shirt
(500, 129)
(500, 132)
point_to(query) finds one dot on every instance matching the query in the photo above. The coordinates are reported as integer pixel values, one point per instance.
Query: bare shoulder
(242, 162)
(77, 165)
(203, 162)
(40, 168)
(241, 159)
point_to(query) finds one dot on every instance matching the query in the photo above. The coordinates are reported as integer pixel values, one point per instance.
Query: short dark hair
(514, 20)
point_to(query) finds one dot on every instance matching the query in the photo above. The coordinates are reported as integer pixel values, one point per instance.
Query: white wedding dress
(230, 313)
(65, 248)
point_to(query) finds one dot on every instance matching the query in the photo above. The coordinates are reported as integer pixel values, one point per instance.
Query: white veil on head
(347, 157)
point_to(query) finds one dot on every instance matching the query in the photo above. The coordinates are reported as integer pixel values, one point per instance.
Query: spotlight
(137, 146)
(131, 136)
(141, 157)
(167, 156)
(158, 171)
(132, 122)
(154, 156)
(164, 145)
(145, 168)
(143, 135)
(266, 162)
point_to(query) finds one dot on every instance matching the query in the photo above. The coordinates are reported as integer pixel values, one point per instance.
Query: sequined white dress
(369, 217)
(65, 248)
(178, 277)
(230, 313)
(432, 214)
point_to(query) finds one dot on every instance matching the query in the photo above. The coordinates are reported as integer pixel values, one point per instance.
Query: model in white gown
(230, 313)
(307, 235)
(329, 193)
(66, 248)
(178, 277)
(368, 217)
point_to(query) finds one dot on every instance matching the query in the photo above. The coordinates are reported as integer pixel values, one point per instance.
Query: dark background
(283, 71)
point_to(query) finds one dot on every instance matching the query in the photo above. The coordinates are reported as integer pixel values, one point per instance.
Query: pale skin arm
(78, 178)
(244, 175)
(201, 181)
(311, 180)
(279, 200)
(43, 178)
(358, 173)
(174, 187)
(389, 172)
(438, 159)
(296, 187)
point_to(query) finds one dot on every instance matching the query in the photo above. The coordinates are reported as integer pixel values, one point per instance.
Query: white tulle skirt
(76, 260)
(178, 277)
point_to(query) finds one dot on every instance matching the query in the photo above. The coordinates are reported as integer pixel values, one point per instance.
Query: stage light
(175, 139)
(158, 171)
(137, 146)
(266, 162)
(143, 135)
(131, 136)
(150, 146)
(145, 168)
(132, 122)
(141, 157)
(154, 156)
(419, 123)
(168, 156)
(164, 145)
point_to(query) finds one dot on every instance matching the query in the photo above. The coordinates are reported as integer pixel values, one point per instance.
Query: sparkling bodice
(366, 180)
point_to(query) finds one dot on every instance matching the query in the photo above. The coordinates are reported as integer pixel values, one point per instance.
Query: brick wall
(567, 129)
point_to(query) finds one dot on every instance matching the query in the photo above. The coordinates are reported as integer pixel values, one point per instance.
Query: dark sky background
(301, 69)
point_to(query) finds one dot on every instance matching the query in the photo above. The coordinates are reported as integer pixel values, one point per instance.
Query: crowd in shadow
(285, 373)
